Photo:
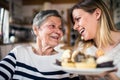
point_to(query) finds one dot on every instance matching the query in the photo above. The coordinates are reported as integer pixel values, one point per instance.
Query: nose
(75, 26)
(59, 31)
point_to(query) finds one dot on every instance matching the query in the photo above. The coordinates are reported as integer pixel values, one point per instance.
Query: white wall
(27, 11)
(63, 7)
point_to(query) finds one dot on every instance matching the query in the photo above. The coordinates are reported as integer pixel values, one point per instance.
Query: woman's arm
(108, 75)
(112, 76)
(7, 67)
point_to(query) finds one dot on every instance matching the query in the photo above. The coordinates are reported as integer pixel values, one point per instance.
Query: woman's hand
(108, 75)
(113, 76)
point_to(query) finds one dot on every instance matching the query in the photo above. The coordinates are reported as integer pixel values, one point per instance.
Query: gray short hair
(43, 15)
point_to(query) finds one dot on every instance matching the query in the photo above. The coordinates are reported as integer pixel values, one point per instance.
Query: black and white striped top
(22, 64)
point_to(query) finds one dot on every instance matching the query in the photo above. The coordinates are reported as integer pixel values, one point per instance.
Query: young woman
(92, 19)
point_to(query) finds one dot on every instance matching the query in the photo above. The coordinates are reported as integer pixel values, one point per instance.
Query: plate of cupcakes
(79, 63)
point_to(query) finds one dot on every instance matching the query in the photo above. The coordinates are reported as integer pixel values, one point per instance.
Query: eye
(60, 28)
(51, 26)
(77, 19)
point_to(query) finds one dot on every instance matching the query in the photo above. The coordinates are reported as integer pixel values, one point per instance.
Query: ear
(35, 30)
(97, 13)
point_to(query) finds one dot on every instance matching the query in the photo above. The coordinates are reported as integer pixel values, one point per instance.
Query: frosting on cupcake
(103, 59)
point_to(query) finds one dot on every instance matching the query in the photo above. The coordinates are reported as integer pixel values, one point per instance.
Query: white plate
(84, 71)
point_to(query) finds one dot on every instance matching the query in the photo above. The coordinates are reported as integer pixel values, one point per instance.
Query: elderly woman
(35, 62)
(92, 19)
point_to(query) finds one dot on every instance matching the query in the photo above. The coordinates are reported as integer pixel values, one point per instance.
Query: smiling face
(86, 23)
(50, 31)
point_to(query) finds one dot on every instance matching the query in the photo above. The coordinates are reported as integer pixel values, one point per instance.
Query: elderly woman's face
(50, 32)
(85, 23)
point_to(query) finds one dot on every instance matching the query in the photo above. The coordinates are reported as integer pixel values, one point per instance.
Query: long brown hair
(106, 23)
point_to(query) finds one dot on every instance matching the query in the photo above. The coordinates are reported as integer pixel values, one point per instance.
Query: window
(4, 25)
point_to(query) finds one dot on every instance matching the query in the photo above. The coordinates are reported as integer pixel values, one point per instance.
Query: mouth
(81, 31)
(55, 37)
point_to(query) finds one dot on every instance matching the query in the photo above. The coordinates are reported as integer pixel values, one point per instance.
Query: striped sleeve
(7, 67)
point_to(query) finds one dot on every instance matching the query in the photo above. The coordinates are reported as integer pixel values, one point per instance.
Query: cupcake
(83, 61)
(87, 64)
(66, 59)
(104, 61)
(77, 56)
(76, 59)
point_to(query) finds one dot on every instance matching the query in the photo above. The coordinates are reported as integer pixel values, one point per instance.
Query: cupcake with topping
(66, 59)
(104, 61)
(83, 61)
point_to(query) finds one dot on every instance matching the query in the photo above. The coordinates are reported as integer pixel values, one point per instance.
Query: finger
(107, 72)
(114, 70)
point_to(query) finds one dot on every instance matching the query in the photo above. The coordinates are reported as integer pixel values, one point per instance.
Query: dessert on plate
(76, 59)
(66, 59)
(83, 61)
(103, 60)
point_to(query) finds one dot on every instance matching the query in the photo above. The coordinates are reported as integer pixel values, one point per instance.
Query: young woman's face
(85, 23)
(50, 32)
